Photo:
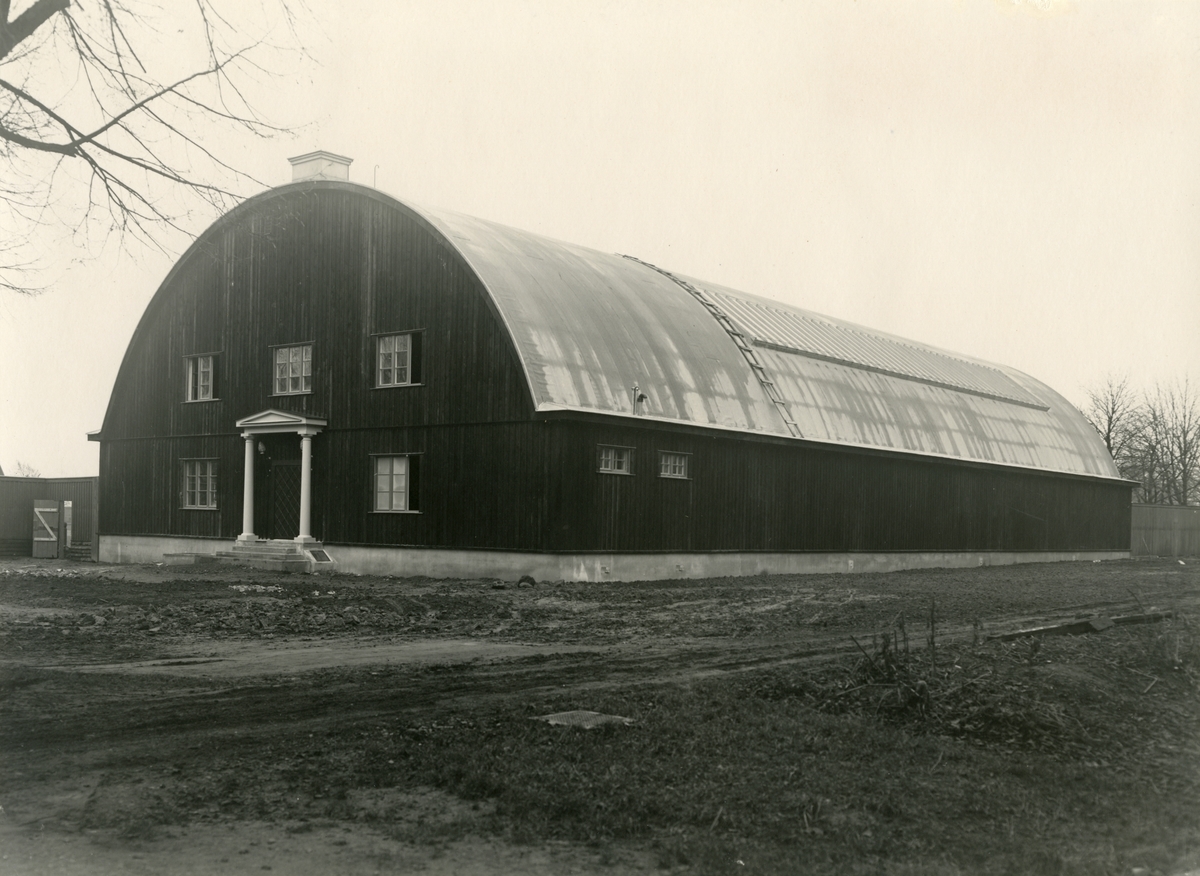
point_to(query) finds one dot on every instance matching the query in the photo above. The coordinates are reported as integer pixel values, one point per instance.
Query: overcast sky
(1015, 181)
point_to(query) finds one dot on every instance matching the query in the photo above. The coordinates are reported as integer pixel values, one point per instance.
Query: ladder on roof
(739, 339)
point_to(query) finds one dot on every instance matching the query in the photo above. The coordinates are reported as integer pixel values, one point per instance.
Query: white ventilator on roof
(320, 165)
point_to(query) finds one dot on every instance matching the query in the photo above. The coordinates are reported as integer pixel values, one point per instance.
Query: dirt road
(137, 700)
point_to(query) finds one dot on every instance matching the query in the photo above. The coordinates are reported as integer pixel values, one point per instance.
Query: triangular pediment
(272, 420)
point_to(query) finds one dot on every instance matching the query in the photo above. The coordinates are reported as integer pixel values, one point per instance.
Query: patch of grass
(1009, 761)
(1067, 755)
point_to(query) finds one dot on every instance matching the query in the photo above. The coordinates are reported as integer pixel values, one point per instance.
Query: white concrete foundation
(150, 548)
(511, 565)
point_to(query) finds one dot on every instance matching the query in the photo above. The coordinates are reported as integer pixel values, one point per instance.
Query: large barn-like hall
(331, 373)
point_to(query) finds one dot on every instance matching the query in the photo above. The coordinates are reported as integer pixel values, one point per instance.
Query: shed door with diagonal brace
(45, 528)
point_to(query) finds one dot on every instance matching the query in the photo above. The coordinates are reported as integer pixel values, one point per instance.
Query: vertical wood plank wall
(760, 495)
(535, 486)
(1166, 531)
(16, 510)
(335, 268)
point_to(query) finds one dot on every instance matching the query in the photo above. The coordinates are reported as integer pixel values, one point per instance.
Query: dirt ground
(162, 719)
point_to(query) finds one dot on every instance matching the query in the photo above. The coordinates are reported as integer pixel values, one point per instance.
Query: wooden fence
(16, 510)
(1165, 531)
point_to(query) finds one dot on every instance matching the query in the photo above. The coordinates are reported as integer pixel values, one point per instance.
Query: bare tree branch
(1154, 437)
(15, 32)
(121, 123)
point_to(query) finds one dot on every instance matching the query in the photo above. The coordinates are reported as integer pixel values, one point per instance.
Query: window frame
(412, 484)
(687, 465)
(312, 368)
(416, 354)
(600, 469)
(190, 365)
(212, 473)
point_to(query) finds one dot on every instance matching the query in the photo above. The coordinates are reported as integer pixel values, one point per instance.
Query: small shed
(17, 498)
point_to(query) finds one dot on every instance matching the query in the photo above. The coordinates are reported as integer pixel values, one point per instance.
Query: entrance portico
(275, 422)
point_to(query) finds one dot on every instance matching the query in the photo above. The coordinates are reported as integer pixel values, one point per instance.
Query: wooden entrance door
(285, 498)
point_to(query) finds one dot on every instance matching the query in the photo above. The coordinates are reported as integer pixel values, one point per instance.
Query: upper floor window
(398, 359)
(199, 483)
(293, 369)
(616, 460)
(673, 465)
(201, 378)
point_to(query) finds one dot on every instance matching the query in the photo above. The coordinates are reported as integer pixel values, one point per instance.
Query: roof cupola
(320, 165)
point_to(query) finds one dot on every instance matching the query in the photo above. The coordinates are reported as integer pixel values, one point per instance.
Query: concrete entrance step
(266, 548)
(270, 555)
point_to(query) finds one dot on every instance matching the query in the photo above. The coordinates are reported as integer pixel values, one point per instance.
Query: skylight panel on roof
(808, 335)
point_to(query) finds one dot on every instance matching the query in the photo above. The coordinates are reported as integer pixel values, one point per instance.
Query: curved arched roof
(588, 325)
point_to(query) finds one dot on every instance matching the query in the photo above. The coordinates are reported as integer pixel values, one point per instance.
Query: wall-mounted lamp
(262, 448)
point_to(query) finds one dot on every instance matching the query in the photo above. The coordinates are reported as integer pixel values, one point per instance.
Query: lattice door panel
(285, 499)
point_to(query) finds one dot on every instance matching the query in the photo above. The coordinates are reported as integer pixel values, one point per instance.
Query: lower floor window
(200, 483)
(615, 460)
(673, 465)
(396, 482)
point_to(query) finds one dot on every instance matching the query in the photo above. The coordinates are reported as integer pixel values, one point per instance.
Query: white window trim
(408, 363)
(312, 358)
(600, 448)
(407, 484)
(212, 473)
(687, 465)
(191, 363)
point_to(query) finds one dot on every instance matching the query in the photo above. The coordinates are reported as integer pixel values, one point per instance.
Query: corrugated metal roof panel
(772, 324)
(589, 325)
(847, 405)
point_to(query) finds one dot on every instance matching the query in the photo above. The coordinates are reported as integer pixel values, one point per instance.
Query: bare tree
(1114, 411)
(27, 471)
(104, 130)
(1154, 437)
(1172, 429)
(1145, 464)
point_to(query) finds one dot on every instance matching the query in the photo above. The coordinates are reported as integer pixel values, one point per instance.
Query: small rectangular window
(398, 359)
(199, 484)
(616, 460)
(396, 482)
(673, 465)
(201, 378)
(293, 369)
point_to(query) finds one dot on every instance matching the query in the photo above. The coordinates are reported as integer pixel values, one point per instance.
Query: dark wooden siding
(333, 268)
(16, 510)
(481, 486)
(143, 494)
(748, 495)
(535, 486)
(1165, 531)
(336, 267)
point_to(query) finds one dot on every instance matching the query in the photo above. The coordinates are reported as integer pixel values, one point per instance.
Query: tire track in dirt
(357, 680)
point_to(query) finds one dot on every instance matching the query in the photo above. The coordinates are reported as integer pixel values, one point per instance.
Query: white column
(305, 535)
(248, 493)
